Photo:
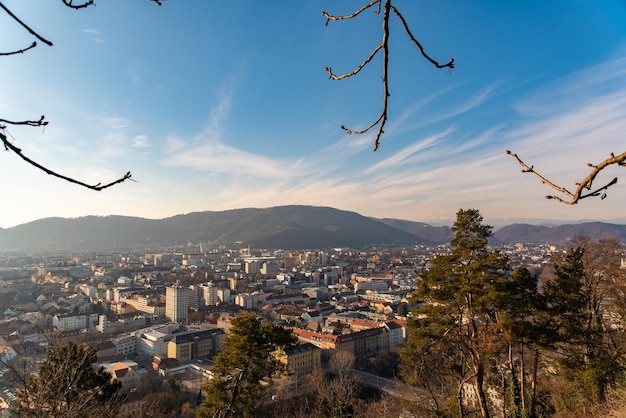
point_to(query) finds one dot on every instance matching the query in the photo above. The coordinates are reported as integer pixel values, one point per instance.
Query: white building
(223, 295)
(209, 294)
(69, 322)
(125, 345)
(177, 303)
(247, 300)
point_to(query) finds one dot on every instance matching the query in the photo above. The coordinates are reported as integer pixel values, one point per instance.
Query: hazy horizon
(495, 222)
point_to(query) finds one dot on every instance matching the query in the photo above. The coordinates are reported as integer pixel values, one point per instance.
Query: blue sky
(222, 105)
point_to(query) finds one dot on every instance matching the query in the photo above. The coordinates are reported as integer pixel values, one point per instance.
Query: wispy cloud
(117, 122)
(408, 154)
(584, 121)
(141, 141)
(95, 35)
(207, 151)
(217, 157)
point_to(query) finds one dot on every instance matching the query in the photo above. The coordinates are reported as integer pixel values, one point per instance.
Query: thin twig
(69, 3)
(358, 12)
(586, 184)
(97, 187)
(40, 122)
(384, 45)
(382, 118)
(25, 26)
(450, 63)
(20, 51)
(357, 69)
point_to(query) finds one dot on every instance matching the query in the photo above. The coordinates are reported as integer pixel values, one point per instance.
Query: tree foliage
(245, 366)
(584, 304)
(476, 324)
(67, 385)
(455, 323)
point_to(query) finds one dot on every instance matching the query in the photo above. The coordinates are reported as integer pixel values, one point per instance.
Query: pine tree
(578, 303)
(243, 365)
(455, 323)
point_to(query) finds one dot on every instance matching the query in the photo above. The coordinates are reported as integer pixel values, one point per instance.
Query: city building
(70, 322)
(209, 294)
(301, 359)
(177, 303)
(191, 345)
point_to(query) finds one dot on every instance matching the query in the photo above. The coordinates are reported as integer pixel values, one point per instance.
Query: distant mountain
(291, 227)
(559, 234)
(425, 232)
(517, 232)
(288, 227)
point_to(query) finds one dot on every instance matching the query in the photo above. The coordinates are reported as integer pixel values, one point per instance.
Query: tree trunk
(522, 375)
(482, 399)
(533, 399)
(459, 399)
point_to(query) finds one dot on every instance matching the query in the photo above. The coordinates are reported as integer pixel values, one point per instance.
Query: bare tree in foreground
(384, 47)
(66, 385)
(584, 188)
(41, 122)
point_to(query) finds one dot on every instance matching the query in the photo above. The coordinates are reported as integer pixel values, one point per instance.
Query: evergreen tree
(578, 305)
(243, 365)
(455, 323)
(517, 313)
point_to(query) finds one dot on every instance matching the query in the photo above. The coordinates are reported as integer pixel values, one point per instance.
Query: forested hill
(559, 234)
(518, 232)
(291, 227)
(288, 227)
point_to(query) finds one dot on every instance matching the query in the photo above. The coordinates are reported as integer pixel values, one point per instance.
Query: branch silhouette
(28, 29)
(8, 146)
(70, 4)
(585, 188)
(20, 51)
(384, 46)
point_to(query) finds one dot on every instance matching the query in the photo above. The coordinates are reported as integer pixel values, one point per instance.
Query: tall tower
(177, 303)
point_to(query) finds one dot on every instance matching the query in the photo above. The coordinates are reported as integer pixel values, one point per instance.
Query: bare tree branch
(25, 26)
(356, 70)
(10, 147)
(40, 122)
(69, 3)
(586, 184)
(358, 12)
(449, 64)
(20, 51)
(384, 45)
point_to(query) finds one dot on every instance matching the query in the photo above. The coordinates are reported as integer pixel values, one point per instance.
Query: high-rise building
(177, 303)
(209, 294)
(247, 300)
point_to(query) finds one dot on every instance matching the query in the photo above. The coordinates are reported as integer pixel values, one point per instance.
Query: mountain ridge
(287, 227)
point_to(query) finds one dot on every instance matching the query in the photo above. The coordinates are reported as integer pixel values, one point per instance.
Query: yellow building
(196, 344)
(301, 359)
